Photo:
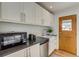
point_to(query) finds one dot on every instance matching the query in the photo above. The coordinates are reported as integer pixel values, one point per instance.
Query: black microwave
(8, 40)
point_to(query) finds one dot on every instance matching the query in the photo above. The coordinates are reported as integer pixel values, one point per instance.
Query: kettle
(32, 38)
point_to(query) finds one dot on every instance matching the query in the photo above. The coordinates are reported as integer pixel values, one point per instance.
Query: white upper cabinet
(46, 18)
(11, 11)
(25, 13)
(42, 16)
(29, 11)
(51, 20)
(39, 15)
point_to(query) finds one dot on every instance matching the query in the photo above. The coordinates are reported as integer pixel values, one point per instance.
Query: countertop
(48, 36)
(8, 51)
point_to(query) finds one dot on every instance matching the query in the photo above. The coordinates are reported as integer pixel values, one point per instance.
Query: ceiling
(55, 7)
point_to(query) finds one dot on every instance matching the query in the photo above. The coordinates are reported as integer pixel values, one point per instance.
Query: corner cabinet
(24, 13)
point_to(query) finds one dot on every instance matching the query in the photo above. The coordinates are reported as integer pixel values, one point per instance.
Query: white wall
(66, 12)
(7, 27)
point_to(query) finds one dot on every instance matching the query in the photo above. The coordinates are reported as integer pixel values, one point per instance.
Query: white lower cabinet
(32, 51)
(35, 50)
(52, 44)
(27, 52)
(44, 50)
(21, 53)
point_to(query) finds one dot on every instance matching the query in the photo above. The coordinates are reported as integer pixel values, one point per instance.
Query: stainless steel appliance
(8, 40)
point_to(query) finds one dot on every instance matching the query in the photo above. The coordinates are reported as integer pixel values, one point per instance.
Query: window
(67, 25)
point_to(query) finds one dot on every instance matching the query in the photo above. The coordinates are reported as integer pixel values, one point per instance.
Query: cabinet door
(44, 50)
(11, 11)
(52, 44)
(46, 18)
(27, 52)
(35, 50)
(21, 53)
(39, 15)
(29, 10)
(51, 20)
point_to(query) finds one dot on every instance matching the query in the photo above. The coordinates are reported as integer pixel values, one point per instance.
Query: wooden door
(67, 33)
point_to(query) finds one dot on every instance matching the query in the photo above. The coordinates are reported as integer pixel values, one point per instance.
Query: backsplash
(8, 27)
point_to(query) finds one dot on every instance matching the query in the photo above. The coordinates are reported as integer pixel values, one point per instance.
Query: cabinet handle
(29, 53)
(22, 15)
(42, 21)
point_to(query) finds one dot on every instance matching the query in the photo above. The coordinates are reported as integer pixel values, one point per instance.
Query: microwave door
(17, 38)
